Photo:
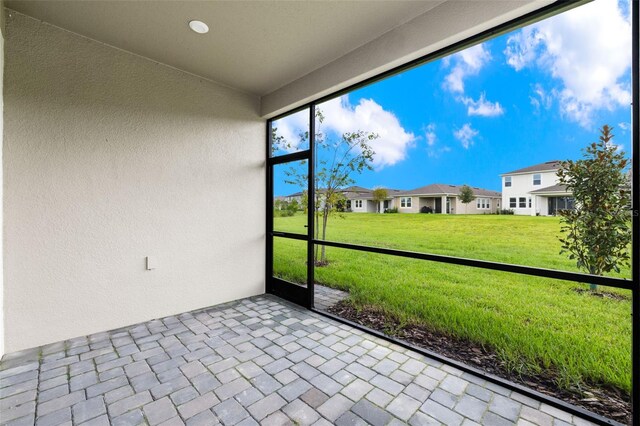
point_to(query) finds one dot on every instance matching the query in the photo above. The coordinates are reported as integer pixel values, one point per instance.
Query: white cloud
(466, 135)
(290, 128)
(540, 98)
(434, 149)
(436, 152)
(588, 49)
(482, 107)
(393, 142)
(466, 62)
(430, 133)
(624, 125)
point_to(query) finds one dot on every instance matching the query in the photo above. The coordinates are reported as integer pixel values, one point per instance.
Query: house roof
(442, 189)
(542, 167)
(362, 193)
(367, 194)
(552, 188)
(355, 188)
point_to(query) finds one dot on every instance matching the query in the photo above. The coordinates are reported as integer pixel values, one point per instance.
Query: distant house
(430, 198)
(435, 198)
(360, 200)
(296, 196)
(535, 190)
(445, 199)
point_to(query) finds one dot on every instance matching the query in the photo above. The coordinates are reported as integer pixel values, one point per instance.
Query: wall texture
(109, 158)
(1, 184)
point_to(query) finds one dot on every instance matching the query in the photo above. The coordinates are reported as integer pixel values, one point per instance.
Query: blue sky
(539, 93)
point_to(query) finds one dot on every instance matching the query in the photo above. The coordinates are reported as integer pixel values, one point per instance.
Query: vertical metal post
(311, 207)
(269, 216)
(635, 244)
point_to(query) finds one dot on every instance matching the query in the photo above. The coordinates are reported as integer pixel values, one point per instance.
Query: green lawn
(533, 323)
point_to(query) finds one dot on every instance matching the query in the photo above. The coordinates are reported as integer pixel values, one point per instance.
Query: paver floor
(326, 297)
(254, 361)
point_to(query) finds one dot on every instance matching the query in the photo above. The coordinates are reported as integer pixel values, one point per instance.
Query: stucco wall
(472, 207)
(522, 185)
(109, 158)
(1, 181)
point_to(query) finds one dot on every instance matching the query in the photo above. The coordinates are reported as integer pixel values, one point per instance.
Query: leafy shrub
(283, 213)
(393, 210)
(505, 211)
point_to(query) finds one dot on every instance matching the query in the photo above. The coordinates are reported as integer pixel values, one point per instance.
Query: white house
(535, 190)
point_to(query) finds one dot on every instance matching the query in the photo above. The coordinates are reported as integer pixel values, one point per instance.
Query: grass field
(532, 323)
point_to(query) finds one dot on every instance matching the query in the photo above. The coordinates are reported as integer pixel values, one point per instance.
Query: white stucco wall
(522, 185)
(109, 158)
(1, 180)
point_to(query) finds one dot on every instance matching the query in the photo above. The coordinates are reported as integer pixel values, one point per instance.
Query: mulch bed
(602, 294)
(607, 402)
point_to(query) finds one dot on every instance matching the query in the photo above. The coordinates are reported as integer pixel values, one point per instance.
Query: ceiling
(254, 46)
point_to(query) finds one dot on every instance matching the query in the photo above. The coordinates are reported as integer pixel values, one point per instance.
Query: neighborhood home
(535, 190)
(361, 200)
(445, 199)
(434, 198)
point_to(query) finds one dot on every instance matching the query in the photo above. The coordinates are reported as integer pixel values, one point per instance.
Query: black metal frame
(304, 296)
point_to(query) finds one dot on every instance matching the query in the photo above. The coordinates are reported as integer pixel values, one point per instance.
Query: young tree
(466, 196)
(379, 195)
(337, 159)
(597, 231)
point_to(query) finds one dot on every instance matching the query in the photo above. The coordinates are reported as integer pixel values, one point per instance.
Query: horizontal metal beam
(290, 235)
(485, 264)
(287, 158)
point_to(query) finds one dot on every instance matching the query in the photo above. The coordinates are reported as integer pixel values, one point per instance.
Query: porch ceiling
(255, 46)
(287, 52)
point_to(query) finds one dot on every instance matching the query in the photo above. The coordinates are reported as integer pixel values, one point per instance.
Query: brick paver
(254, 361)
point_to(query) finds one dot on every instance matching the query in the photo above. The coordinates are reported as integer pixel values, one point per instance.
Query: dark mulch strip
(608, 402)
(602, 294)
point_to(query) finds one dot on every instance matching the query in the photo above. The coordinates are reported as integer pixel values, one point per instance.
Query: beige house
(426, 199)
(360, 200)
(445, 199)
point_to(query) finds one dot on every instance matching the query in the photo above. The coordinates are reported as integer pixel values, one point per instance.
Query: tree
(597, 231)
(336, 160)
(466, 196)
(379, 195)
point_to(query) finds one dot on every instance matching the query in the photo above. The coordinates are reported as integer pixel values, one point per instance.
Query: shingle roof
(438, 189)
(552, 188)
(366, 194)
(542, 167)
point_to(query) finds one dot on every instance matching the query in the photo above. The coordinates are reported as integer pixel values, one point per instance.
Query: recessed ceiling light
(199, 27)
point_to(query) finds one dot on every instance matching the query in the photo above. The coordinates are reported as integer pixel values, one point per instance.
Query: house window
(529, 202)
(537, 179)
(523, 202)
(507, 181)
(483, 203)
(405, 202)
(512, 202)
(358, 204)
(349, 204)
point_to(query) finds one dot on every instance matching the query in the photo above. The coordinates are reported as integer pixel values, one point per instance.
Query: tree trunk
(593, 287)
(325, 218)
(316, 232)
